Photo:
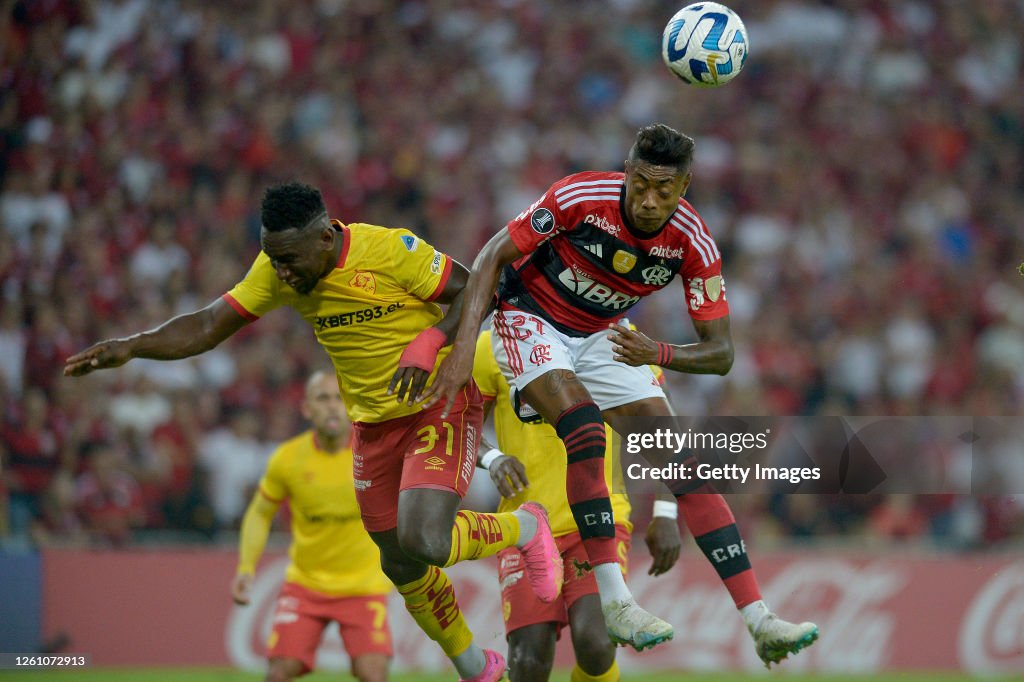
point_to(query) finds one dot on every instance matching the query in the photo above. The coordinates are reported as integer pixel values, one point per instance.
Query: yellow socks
(610, 675)
(476, 535)
(431, 602)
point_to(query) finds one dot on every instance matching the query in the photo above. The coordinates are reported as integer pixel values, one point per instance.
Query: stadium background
(862, 177)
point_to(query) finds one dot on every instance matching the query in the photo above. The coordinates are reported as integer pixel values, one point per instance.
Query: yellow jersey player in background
(530, 464)
(334, 573)
(371, 295)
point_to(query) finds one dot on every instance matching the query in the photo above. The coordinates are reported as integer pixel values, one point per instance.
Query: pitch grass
(228, 675)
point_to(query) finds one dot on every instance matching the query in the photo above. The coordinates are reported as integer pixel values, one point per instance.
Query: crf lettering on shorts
(581, 285)
(540, 354)
(720, 554)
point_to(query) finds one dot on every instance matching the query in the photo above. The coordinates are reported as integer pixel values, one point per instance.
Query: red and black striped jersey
(585, 266)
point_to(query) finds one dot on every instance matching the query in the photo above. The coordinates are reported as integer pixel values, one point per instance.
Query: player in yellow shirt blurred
(530, 463)
(371, 296)
(334, 573)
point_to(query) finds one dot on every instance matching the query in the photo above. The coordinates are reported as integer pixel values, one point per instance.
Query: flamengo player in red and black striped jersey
(570, 267)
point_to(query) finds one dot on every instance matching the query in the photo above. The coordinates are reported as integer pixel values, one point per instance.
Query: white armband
(666, 509)
(488, 457)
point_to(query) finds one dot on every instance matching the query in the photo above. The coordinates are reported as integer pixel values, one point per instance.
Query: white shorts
(527, 347)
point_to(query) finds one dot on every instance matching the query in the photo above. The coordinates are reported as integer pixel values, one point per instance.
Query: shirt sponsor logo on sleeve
(410, 242)
(435, 265)
(696, 293)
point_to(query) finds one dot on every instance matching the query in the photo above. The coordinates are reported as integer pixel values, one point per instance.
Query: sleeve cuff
(445, 274)
(239, 308)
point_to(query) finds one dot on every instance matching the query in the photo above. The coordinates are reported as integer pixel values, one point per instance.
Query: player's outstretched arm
(712, 354)
(456, 369)
(252, 540)
(179, 337)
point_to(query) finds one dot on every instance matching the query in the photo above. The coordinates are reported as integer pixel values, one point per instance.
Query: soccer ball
(705, 44)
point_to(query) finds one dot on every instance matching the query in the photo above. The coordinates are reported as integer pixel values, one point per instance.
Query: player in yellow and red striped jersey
(334, 570)
(530, 463)
(371, 296)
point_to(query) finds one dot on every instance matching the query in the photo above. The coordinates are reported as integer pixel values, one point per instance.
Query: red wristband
(422, 351)
(665, 354)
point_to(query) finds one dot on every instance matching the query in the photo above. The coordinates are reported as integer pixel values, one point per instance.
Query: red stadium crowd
(862, 177)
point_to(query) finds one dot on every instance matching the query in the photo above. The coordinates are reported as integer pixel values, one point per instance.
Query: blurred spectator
(107, 498)
(34, 456)
(58, 523)
(233, 459)
(12, 349)
(898, 518)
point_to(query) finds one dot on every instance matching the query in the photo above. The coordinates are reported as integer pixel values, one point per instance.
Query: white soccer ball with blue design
(705, 44)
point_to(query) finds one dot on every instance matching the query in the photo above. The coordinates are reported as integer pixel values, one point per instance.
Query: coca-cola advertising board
(876, 611)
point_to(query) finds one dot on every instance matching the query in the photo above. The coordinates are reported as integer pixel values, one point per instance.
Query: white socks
(611, 584)
(754, 613)
(470, 662)
(527, 526)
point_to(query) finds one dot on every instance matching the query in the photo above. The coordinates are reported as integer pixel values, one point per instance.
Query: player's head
(323, 407)
(657, 175)
(297, 236)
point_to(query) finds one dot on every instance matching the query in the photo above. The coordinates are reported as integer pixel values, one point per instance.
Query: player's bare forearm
(456, 369)
(449, 324)
(179, 337)
(712, 354)
(483, 281)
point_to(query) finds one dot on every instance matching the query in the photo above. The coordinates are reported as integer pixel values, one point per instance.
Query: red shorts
(521, 607)
(302, 614)
(416, 451)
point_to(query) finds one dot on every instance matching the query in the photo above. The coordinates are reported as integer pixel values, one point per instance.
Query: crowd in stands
(863, 178)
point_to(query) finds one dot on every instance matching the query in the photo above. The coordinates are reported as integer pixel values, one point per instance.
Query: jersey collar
(346, 240)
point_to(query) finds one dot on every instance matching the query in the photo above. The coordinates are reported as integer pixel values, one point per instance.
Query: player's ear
(327, 236)
(686, 183)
